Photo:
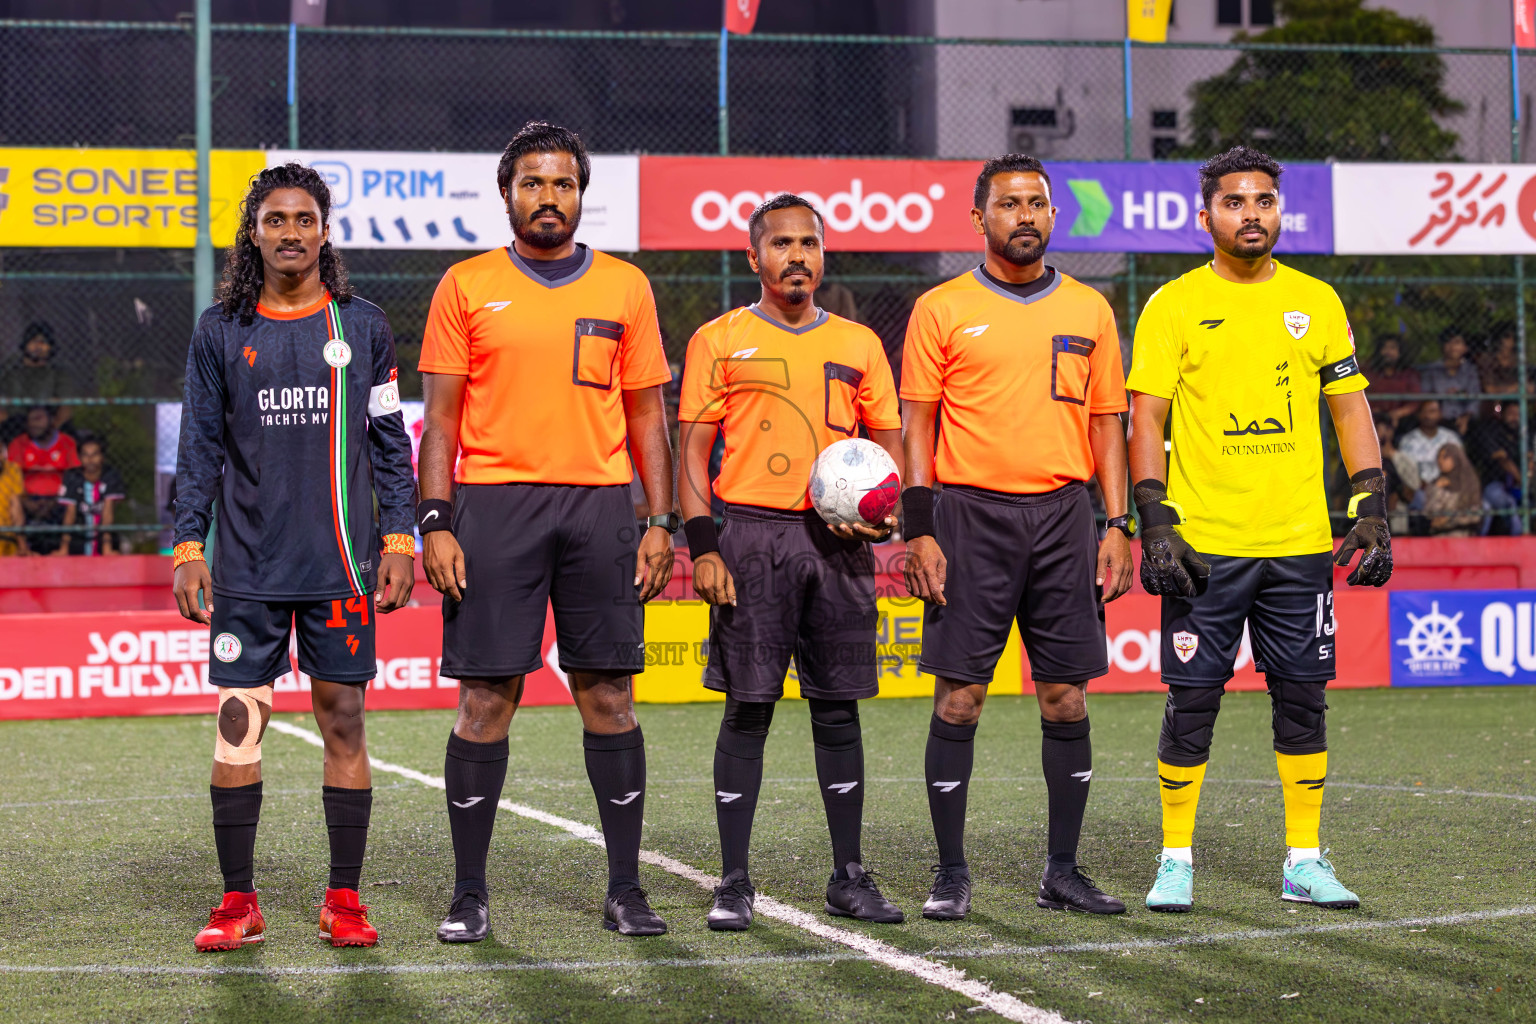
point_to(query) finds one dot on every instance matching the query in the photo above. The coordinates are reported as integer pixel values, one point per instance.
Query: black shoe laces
(735, 894)
(633, 898)
(947, 884)
(460, 907)
(1079, 883)
(866, 881)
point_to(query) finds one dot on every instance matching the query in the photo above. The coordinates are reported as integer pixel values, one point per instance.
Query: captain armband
(1369, 497)
(243, 715)
(186, 551)
(384, 399)
(400, 544)
(1335, 372)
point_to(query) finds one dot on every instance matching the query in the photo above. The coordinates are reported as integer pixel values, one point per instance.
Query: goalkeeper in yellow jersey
(1235, 519)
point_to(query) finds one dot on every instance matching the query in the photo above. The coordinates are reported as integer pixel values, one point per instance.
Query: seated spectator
(1422, 444)
(11, 490)
(1493, 446)
(44, 455)
(1392, 373)
(1401, 472)
(1499, 368)
(1454, 502)
(90, 496)
(1454, 374)
(33, 375)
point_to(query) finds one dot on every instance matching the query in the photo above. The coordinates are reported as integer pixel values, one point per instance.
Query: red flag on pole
(1525, 23)
(741, 15)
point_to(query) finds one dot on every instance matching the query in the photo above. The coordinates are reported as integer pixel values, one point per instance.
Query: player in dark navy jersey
(290, 427)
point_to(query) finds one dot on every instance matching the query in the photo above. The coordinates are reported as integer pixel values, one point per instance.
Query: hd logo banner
(112, 198)
(1460, 637)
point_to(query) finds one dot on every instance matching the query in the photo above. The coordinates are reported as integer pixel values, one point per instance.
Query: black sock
(840, 775)
(1066, 755)
(236, 810)
(616, 769)
(474, 773)
(947, 767)
(739, 776)
(346, 819)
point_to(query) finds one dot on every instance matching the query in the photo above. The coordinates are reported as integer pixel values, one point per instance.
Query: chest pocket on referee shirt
(842, 387)
(1069, 368)
(597, 349)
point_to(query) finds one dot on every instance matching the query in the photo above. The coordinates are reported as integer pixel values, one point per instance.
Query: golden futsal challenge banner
(111, 198)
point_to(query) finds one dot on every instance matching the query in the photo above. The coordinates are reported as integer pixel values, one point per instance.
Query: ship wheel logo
(1435, 642)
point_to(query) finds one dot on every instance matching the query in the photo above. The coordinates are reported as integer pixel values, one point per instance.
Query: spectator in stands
(1454, 374)
(44, 455)
(90, 496)
(1454, 501)
(1422, 444)
(1493, 447)
(33, 375)
(11, 490)
(1402, 475)
(1393, 373)
(1499, 367)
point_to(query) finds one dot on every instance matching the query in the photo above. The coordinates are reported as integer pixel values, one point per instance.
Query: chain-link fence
(120, 318)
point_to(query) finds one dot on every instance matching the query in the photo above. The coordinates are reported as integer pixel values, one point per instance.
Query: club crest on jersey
(1297, 323)
(1184, 645)
(338, 353)
(226, 647)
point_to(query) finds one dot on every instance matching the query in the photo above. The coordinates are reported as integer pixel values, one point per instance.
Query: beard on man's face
(1026, 246)
(1250, 248)
(799, 293)
(540, 235)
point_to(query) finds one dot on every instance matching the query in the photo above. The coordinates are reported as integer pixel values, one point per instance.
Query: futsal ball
(854, 481)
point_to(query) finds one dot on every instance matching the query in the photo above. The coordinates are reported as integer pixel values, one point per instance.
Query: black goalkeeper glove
(1169, 566)
(1368, 508)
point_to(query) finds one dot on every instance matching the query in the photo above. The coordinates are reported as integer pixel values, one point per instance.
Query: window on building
(1229, 12)
(1261, 12)
(1165, 119)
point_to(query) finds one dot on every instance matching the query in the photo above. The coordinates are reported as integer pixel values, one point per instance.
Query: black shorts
(1030, 558)
(531, 546)
(801, 592)
(1287, 603)
(248, 642)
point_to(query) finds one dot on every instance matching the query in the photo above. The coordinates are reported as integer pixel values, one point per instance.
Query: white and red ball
(854, 481)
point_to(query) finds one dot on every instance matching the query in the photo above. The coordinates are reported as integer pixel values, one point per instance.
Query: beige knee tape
(243, 718)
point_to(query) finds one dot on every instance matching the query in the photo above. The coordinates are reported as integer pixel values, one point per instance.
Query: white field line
(769, 959)
(1002, 1003)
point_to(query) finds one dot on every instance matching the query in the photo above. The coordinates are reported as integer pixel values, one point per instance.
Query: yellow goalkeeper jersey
(1244, 365)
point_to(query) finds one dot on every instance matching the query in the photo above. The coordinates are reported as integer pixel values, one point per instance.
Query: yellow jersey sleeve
(1158, 351)
(1340, 372)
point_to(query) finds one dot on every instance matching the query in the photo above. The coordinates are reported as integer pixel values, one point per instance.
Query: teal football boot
(1313, 881)
(1173, 891)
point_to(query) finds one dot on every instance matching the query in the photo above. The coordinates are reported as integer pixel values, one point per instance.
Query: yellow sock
(1180, 789)
(1301, 781)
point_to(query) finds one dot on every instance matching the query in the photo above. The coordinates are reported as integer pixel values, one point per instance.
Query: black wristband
(917, 512)
(434, 514)
(1369, 498)
(1152, 510)
(703, 537)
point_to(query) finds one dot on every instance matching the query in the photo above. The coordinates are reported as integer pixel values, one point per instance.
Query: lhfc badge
(1297, 323)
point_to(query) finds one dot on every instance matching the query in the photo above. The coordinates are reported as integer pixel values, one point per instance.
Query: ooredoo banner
(1469, 209)
(155, 663)
(385, 200)
(924, 205)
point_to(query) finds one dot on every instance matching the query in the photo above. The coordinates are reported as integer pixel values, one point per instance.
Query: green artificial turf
(107, 865)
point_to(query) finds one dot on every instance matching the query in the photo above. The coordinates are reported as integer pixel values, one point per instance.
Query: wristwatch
(1125, 524)
(669, 522)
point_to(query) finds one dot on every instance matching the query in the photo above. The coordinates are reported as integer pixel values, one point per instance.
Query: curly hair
(1235, 161)
(240, 289)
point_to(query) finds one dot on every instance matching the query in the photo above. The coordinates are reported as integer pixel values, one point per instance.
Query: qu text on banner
(703, 202)
(111, 198)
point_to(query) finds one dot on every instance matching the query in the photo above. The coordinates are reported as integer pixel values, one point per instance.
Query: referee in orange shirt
(1020, 364)
(542, 362)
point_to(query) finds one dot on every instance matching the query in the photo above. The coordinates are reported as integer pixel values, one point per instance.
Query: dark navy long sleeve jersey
(293, 424)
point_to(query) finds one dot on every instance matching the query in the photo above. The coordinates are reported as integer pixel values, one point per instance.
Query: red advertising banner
(78, 665)
(869, 205)
(1525, 23)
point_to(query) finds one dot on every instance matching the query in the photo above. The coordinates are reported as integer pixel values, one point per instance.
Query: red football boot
(232, 924)
(344, 920)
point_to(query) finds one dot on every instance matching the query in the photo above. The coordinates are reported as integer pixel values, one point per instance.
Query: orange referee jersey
(781, 395)
(546, 363)
(1016, 379)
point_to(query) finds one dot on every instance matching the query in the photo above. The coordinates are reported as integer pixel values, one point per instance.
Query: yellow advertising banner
(141, 198)
(676, 656)
(1146, 21)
